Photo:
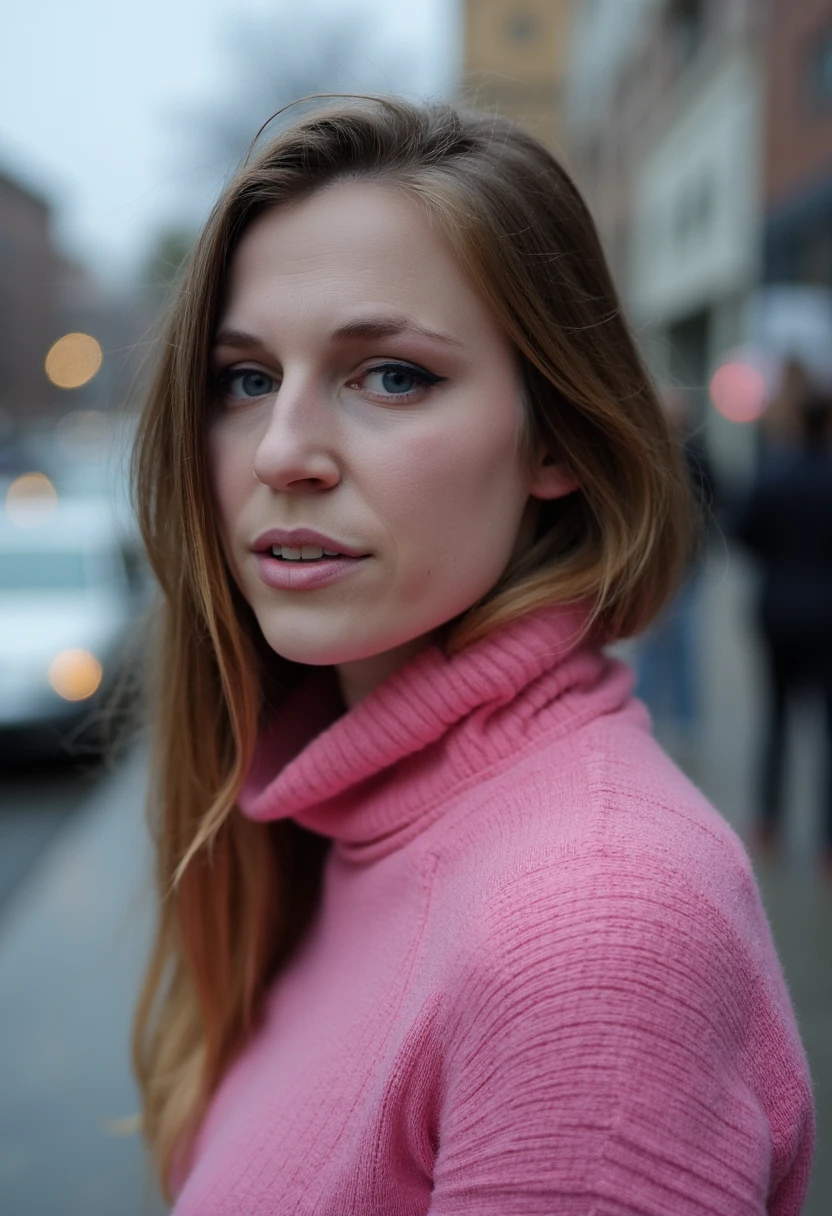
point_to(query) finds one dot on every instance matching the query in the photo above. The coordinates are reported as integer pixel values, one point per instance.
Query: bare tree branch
(306, 49)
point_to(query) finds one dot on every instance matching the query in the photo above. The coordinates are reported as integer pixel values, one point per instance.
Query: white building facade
(667, 120)
(696, 235)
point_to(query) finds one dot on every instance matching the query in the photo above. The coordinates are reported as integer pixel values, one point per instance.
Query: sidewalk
(72, 947)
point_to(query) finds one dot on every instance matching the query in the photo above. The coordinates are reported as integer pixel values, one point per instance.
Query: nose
(296, 446)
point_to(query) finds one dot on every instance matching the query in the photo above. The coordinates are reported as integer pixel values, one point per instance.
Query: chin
(310, 643)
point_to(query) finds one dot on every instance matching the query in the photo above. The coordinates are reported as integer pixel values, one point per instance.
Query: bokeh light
(739, 392)
(31, 500)
(75, 674)
(73, 360)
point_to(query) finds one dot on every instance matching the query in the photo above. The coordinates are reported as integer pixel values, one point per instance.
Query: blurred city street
(73, 935)
(699, 134)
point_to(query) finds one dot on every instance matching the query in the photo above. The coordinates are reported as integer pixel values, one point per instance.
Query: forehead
(350, 246)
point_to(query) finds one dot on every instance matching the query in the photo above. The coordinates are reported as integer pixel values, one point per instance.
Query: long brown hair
(235, 897)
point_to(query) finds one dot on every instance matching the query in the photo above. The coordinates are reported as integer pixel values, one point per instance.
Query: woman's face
(366, 392)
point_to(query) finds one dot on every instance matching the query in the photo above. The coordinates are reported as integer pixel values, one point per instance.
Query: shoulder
(603, 801)
(617, 861)
(645, 936)
(614, 985)
(613, 1002)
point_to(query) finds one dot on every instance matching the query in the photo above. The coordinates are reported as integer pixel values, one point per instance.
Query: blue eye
(400, 379)
(251, 382)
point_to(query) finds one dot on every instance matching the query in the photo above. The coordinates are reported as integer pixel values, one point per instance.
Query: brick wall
(799, 119)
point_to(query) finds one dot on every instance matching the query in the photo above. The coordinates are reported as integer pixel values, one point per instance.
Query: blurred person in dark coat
(668, 661)
(780, 425)
(786, 522)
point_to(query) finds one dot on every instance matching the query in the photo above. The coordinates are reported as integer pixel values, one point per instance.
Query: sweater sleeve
(620, 1046)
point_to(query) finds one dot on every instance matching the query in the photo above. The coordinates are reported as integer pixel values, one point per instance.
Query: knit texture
(540, 979)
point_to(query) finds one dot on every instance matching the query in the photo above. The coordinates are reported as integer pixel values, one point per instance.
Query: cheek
(455, 478)
(230, 473)
(473, 462)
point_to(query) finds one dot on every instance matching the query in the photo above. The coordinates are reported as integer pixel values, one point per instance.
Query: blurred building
(667, 121)
(515, 61)
(30, 269)
(605, 102)
(45, 295)
(798, 143)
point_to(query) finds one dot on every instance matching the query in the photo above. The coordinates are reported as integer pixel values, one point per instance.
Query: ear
(551, 478)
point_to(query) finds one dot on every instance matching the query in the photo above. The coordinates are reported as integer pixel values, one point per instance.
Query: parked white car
(67, 619)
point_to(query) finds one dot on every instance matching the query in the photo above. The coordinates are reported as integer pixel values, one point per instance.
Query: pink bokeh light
(739, 392)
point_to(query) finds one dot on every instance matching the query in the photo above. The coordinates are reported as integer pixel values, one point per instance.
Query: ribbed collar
(374, 776)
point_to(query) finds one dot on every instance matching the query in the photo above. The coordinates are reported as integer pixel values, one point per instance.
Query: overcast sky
(95, 98)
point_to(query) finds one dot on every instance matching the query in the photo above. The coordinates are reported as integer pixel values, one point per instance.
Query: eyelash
(424, 379)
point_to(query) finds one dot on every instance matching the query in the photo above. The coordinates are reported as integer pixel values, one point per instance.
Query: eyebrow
(370, 328)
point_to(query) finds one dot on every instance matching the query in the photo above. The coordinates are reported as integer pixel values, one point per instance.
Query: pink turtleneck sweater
(540, 979)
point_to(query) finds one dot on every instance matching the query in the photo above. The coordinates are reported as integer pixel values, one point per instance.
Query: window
(687, 19)
(522, 28)
(820, 71)
(694, 209)
(703, 204)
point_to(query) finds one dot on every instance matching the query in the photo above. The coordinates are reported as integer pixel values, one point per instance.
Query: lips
(308, 561)
(302, 575)
(296, 538)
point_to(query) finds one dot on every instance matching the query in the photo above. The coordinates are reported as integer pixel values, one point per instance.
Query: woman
(441, 928)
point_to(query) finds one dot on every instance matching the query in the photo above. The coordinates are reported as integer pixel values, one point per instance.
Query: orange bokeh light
(75, 674)
(73, 360)
(31, 500)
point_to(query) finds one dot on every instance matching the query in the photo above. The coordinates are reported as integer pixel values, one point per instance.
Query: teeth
(309, 552)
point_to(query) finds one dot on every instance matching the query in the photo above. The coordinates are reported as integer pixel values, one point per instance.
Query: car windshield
(42, 570)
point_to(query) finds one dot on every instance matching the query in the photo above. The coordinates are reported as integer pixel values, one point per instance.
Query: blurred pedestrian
(441, 927)
(780, 426)
(786, 522)
(668, 660)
